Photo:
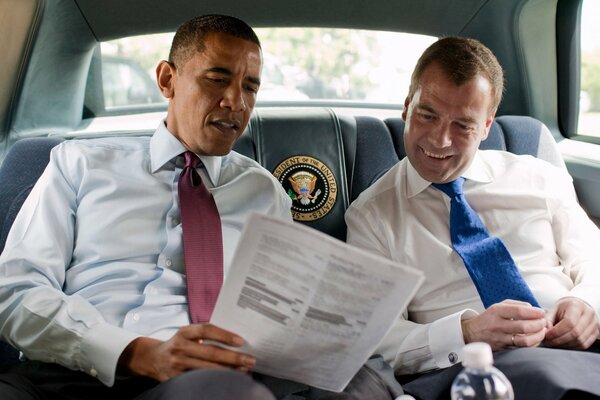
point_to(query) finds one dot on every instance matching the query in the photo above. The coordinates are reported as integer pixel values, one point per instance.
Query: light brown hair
(462, 59)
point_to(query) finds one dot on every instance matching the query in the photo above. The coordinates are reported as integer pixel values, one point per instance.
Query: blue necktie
(487, 260)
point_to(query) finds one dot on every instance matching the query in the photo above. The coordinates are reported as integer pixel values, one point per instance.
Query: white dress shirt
(528, 203)
(94, 258)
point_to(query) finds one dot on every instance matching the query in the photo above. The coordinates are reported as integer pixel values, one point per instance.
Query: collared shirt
(528, 203)
(94, 258)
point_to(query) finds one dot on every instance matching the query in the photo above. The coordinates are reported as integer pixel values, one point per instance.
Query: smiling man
(509, 256)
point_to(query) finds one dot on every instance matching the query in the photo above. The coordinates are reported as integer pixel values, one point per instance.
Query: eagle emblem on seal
(310, 184)
(303, 184)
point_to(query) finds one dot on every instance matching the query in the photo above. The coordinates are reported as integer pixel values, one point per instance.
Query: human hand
(507, 324)
(186, 350)
(572, 324)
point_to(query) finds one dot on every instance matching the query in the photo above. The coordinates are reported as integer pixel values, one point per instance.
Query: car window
(335, 66)
(126, 83)
(589, 101)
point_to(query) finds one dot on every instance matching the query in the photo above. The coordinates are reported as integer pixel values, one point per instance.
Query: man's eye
(217, 80)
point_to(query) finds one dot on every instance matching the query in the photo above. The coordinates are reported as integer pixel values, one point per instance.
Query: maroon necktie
(202, 241)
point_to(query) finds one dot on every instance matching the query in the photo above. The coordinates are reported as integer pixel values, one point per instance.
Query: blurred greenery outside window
(589, 101)
(300, 65)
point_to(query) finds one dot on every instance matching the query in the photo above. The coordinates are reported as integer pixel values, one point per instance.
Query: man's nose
(440, 136)
(234, 99)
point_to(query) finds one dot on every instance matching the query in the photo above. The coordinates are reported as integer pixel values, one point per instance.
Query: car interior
(51, 63)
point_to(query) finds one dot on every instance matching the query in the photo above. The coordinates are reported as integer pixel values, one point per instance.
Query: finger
(588, 337)
(580, 337)
(593, 337)
(223, 356)
(565, 323)
(191, 363)
(211, 332)
(564, 334)
(512, 309)
(518, 302)
(192, 355)
(551, 317)
(528, 340)
(525, 326)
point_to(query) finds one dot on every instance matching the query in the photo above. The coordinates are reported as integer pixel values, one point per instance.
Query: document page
(311, 308)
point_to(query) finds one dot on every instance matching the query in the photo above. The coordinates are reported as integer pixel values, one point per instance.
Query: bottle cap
(477, 355)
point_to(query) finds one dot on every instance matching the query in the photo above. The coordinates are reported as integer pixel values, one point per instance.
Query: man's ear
(165, 75)
(405, 108)
(488, 124)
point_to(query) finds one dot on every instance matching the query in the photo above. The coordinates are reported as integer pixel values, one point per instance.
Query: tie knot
(452, 189)
(191, 160)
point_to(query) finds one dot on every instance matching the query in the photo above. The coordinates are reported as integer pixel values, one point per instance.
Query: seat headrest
(310, 151)
(514, 133)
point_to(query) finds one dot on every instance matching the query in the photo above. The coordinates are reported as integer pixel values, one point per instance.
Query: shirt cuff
(446, 339)
(589, 295)
(100, 351)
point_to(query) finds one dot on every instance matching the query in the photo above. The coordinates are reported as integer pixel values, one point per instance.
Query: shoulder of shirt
(240, 161)
(389, 184)
(236, 159)
(122, 143)
(501, 160)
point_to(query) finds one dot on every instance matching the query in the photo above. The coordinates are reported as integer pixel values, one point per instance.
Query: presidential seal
(310, 184)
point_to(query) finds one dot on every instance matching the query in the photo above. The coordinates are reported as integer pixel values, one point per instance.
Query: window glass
(300, 65)
(338, 64)
(589, 102)
(127, 65)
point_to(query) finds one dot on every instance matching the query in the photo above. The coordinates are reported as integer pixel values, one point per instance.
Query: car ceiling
(63, 43)
(109, 19)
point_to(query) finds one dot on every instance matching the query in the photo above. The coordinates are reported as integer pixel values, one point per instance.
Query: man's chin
(436, 177)
(219, 151)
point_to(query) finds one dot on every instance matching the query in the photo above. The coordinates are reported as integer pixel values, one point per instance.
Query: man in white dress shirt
(93, 282)
(529, 204)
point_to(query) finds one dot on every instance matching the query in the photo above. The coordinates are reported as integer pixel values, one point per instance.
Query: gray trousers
(41, 381)
(535, 373)
(374, 381)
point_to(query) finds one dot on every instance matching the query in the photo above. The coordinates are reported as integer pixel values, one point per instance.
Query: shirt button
(93, 373)
(136, 317)
(168, 262)
(453, 358)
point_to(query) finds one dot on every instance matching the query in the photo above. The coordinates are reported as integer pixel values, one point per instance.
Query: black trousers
(535, 373)
(33, 380)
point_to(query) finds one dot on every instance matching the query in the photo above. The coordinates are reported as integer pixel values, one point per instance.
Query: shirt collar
(165, 147)
(478, 171)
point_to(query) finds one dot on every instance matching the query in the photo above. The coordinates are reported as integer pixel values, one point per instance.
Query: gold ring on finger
(512, 338)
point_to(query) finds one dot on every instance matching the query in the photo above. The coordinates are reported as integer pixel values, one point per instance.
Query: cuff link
(452, 357)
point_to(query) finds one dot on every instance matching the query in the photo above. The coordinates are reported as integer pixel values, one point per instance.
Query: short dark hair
(190, 35)
(462, 59)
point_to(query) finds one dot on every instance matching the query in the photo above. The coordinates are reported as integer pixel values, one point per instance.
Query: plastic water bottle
(479, 379)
